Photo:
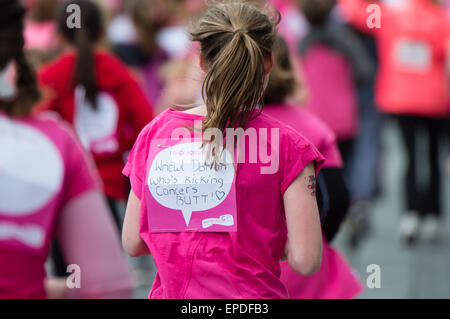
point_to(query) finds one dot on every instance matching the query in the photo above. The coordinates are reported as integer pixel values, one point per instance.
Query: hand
(55, 288)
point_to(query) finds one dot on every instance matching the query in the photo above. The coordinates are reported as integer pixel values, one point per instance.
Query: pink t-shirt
(42, 168)
(411, 77)
(293, 25)
(242, 264)
(334, 280)
(310, 126)
(332, 91)
(40, 35)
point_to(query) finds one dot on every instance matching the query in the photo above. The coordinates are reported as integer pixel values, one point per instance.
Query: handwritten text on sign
(180, 180)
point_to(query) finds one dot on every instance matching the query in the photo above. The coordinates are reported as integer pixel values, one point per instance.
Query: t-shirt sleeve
(297, 152)
(135, 167)
(81, 173)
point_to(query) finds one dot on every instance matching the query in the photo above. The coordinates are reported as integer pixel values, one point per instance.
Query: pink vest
(42, 168)
(333, 96)
(240, 264)
(334, 280)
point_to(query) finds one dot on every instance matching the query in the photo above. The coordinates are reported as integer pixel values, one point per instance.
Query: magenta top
(335, 278)
(241, 264)
(43, 173)
(332, 91)
(311, 127)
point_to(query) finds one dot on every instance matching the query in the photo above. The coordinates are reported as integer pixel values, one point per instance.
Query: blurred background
(375, 76)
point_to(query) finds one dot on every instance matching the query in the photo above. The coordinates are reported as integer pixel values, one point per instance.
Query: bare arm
(89, 239)
(304, 246)
(131, 241)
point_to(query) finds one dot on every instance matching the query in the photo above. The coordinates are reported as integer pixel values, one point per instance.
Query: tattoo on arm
(312, 184)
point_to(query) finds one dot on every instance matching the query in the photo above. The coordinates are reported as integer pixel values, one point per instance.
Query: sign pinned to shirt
(180, 181)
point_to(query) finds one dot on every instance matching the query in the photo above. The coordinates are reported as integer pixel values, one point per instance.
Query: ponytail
(84, 39)
(235, 40)
(85, 68)
(234, 83)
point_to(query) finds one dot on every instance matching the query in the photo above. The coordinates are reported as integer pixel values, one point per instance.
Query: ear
(268, 64)
(203, 64)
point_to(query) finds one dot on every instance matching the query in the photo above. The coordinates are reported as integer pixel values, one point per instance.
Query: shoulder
(299, 118)
(55, 126)
(155, 125)
(57, 73)
(111, 71)
(265, 120)
(108, 58)
(109, 64)
(314, 122)
(292, 146)
(286, 132)
(61, 64)
(308, 125)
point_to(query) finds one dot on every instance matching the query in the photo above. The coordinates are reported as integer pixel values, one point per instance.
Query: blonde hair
(235, 40)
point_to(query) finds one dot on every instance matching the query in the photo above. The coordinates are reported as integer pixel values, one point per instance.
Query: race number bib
(184, 194)
(413, 55)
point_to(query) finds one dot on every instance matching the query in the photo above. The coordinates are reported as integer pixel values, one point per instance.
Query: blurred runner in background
(49, 187)
(412, 84)
(91, 89)
(94, 92)
(244, 263)
(335, 64)
(335, 278)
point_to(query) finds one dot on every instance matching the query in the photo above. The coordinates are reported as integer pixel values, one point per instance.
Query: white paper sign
(179, 179)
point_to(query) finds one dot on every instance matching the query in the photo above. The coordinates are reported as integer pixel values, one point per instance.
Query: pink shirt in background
(42, 168)
(332, 91)
(311, 127)
(242, 264)
(335, 278)
(293, 25)
(411, 76)
(40, 35)
(112, 5)
(51, 189)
